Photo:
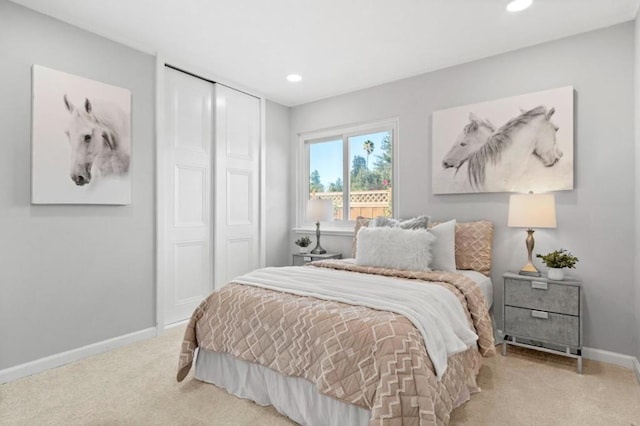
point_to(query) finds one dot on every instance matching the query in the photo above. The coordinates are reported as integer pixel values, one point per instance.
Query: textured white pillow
(413, 223)
(395, 248)
(443, 250)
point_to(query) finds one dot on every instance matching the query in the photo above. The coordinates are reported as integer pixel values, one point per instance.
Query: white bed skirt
(294, 397)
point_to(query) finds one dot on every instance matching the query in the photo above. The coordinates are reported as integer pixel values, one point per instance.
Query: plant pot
(556, 274)
(303, 250)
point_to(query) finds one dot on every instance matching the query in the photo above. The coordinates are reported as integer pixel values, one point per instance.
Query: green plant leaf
(559, 259)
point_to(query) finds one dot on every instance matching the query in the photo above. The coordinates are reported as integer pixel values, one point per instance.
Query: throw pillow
(419, 222)
(394, 248)
(443, 250)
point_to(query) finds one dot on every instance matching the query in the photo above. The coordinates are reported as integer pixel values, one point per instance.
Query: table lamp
(531, 211)
(319, 210)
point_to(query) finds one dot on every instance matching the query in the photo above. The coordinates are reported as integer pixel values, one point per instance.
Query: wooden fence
(361, 203)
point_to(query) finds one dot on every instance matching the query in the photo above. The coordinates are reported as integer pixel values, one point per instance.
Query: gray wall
(277, 197)
(70, 275)
(595, 220)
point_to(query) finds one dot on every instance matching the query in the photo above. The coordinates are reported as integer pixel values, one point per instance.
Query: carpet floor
(135, 385)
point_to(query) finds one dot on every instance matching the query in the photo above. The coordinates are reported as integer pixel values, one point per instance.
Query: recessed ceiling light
(294, 78)
(518, 5)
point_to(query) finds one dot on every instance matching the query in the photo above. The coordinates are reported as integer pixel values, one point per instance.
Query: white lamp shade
(320, 210)
(532, 211)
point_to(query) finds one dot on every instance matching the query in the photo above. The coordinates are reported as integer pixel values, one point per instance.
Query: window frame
(343, 133)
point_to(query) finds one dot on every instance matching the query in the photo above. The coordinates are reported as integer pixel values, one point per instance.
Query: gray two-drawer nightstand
(544, 314)
(300, 259)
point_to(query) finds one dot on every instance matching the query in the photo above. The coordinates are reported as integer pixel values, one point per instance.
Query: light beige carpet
(136, 385)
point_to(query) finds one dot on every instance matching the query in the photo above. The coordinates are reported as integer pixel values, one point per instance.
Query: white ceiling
(338, 46)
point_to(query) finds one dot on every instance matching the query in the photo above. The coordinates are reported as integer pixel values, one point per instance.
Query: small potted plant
(303, 243)
(556, 261)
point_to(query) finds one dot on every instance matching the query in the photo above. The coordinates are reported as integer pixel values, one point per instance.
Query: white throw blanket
(434, 310)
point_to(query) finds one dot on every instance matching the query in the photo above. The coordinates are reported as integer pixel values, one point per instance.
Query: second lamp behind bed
(319, 210)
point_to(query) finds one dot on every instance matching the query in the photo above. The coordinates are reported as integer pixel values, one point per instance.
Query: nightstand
(300, 259)
(543, 314)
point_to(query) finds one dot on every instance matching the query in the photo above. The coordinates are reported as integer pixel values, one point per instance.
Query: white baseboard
(60, 359)
(626, 361)
(57, 360)
(609, 357)
(177, 324)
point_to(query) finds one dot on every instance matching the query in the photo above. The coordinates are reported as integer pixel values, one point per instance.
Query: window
(353, 167)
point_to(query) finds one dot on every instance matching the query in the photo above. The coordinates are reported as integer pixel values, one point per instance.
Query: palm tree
(368, 148)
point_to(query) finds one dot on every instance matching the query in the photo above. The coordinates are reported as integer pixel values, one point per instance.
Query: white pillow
(443, 250)
(395, 248)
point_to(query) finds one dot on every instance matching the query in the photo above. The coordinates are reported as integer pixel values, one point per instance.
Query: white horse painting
(488, 160)
(100, 141)
(500, 163)
(81, 140)
(528, 152)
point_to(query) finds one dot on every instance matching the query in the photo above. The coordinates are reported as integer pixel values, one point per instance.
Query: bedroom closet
(208, 190)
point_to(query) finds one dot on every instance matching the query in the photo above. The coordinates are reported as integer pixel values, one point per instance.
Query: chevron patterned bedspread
(371, 358)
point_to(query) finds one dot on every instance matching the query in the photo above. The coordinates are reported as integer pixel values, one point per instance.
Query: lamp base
(529, 270)
(318, 249)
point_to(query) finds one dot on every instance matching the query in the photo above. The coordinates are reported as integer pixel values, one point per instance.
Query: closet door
(188, 136)
(237, 190)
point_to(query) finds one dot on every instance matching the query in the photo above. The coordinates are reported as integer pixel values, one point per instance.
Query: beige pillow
(474, 242)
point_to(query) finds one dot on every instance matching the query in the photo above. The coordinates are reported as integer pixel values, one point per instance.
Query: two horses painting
(527, 152)
(81, 140)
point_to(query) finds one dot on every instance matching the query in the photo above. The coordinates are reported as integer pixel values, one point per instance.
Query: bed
(343, 342)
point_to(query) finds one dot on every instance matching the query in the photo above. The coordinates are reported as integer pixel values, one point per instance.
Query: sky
(326, 157)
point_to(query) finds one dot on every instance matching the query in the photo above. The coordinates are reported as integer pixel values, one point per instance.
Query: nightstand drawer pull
(540, 314)
(540, 285)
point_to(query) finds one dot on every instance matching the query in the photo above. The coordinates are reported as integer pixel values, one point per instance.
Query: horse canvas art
(530, 151)
(99, 138)
(81, 140)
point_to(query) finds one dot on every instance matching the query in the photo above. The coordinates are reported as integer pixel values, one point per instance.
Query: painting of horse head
(546, 145)
(98, 137)
(80, 140)
(508, 149)
(473, 136)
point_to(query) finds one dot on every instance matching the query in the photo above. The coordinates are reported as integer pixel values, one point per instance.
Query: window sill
(343, 232)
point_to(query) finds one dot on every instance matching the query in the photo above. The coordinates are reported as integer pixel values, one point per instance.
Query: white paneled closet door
(237, 188)
(209, 191)
(188, 217)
